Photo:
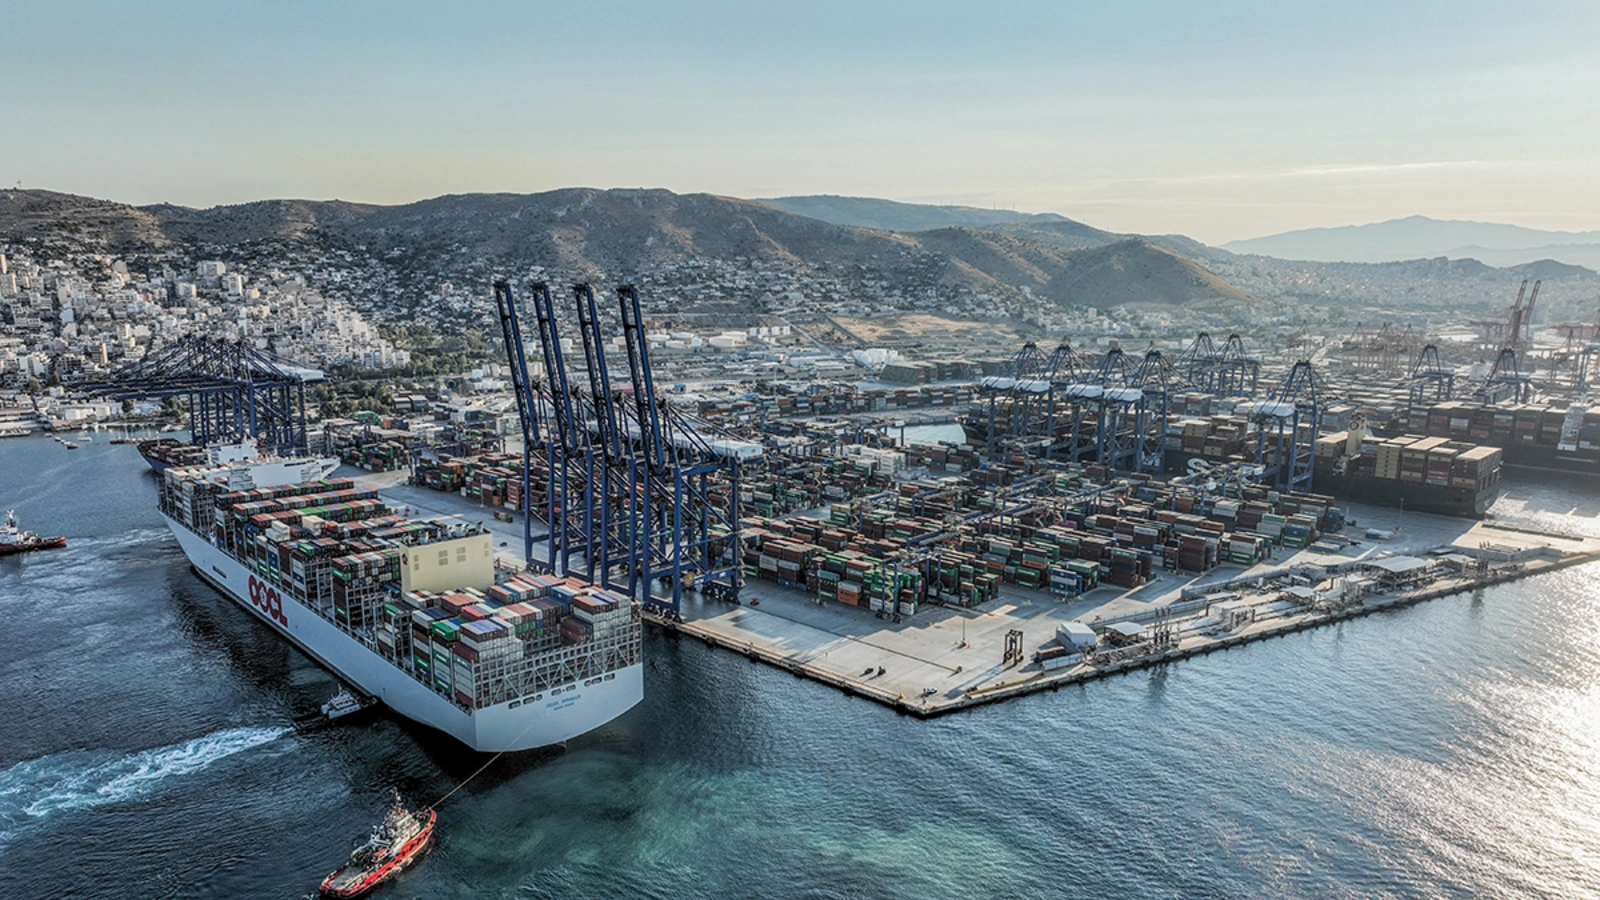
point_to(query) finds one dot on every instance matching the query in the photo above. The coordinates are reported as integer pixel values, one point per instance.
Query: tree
(34, 386)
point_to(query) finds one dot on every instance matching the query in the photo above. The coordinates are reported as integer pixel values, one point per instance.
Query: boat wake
(81, 779)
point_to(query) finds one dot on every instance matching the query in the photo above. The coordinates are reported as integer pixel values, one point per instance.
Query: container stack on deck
(1414, 459)
(1531, 433)
(339, 551)
(480, 648)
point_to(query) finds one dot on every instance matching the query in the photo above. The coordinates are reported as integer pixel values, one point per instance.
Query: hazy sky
(1219, 120)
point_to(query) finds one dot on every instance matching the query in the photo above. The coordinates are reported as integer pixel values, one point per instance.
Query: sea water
(1450, 749)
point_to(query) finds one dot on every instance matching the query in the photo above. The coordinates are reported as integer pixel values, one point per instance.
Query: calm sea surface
(1451, 749)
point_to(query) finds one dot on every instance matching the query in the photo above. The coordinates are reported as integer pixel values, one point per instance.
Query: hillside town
(391, 311)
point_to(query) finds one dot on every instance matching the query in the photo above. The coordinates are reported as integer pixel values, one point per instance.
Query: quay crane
(234, 392)
(634, 487)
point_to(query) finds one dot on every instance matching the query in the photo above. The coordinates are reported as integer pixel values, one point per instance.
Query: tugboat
(343, 705)
(14, 540)
(399, 840)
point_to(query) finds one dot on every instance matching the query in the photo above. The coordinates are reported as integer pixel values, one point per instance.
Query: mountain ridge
(590, 232)
(1421, 237)
(894, 215)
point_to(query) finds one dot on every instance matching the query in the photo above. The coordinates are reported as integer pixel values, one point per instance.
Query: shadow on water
(1158, 680)
(455, 763)
(255, 653)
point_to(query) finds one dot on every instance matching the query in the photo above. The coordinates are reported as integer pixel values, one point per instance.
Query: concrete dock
(945, 659)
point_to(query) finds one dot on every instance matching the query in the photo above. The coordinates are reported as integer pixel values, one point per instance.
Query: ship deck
(526, 724)
(425, 502)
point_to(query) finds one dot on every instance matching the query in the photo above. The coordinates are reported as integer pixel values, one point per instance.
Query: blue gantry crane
(636, 489)
(1157, 380)
(1505, 381)
(1001, 391)
(234, 391)
(1112, 411)
(688, 531)
(1430, 377)
(1199, 358)
(1227, 371)
(1288, 423)
(568, 445)
(609, 469)
(1235, 372)
(528, 414)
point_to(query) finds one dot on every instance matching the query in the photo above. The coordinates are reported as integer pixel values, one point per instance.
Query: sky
(1220, 120)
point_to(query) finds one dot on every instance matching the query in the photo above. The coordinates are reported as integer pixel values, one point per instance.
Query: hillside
(1575, 255)
(1136, 273)
(1550, 270)
(618, 232)
(46, 214)
(265, 220)
(621, 234)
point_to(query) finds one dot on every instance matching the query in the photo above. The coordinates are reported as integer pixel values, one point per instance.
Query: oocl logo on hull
(266, 598)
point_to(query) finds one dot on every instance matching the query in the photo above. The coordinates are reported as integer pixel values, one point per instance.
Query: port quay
(946, 659)
(953, 660)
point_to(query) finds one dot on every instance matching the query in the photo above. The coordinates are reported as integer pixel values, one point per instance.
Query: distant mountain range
(1419, 237)
(1047, 228)
(745, 250)
(612, 234)
(890, 215)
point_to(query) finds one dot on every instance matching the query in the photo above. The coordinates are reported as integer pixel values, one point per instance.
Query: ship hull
(1429, 498)
(549, 718)
(147, 450)
(976, 433)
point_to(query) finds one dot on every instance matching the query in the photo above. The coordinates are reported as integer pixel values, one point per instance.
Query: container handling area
(946, 659)
(1103, 513)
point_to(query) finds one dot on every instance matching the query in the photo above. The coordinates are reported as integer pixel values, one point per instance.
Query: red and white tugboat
(399, 840)
(14, 540)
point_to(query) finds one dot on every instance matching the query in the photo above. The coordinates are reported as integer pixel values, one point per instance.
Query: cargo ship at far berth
(410, 611)
(161, 453)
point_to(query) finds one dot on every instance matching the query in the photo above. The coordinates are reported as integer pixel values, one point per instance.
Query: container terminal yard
(1100, 512)
(941, 657)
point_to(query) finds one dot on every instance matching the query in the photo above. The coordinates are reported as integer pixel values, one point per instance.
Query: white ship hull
(552, 717)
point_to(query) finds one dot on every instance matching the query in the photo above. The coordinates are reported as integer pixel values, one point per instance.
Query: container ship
(1533, 435)
(1436, 475)
(161, 453)
(413, 612)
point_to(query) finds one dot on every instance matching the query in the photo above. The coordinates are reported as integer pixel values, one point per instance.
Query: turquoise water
(1451, 749)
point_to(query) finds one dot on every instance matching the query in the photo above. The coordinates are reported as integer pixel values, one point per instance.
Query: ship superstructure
(413, 612)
